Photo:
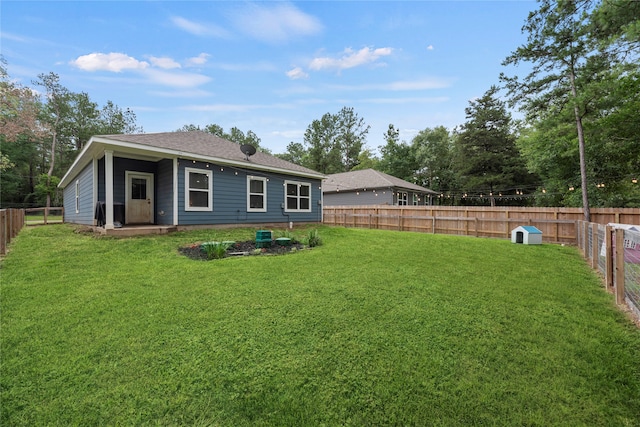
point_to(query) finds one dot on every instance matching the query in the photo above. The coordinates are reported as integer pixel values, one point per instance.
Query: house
(184, 179)
(370, 187)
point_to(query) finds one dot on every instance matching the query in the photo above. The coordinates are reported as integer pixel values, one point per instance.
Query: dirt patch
(247, 248)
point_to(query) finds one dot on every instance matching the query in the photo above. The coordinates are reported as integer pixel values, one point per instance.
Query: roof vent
(248, 150)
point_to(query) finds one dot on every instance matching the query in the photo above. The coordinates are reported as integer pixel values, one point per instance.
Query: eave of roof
(131, 146)
(368, 179)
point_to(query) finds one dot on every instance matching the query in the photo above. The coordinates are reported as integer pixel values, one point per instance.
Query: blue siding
(85, 201)
(164, 193)
(230, 197)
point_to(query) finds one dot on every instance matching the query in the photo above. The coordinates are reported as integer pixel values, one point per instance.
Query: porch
(135, 230)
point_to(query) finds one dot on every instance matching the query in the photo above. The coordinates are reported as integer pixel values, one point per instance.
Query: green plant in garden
(216, 250)
(313, 238)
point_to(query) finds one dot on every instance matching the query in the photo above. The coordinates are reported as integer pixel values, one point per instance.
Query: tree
(114, 120)
(234, 135)
(367, 160)
(560, 50)
(351, 137)
(320, 142)
(295, 154)
(488, 160)
(19, 108)
(397, 158)
(434, 152)
(53, 115)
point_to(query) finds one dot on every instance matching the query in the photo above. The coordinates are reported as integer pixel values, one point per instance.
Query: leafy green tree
(114, 120)
(434, 152)
(351, 137)
(323, 153)
(560, 51)
(235, 135)
(488, 159)
(295, 153)
(397, 157)
(53, 116)
(367, 160)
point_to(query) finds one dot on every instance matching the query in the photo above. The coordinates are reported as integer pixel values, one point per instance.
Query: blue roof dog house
(526, 234)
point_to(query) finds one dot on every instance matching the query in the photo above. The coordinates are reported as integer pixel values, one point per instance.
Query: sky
(270, 67)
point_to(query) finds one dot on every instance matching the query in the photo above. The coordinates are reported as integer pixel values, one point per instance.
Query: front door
(139, 198)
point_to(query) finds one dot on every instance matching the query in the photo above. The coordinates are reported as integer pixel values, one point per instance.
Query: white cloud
(198, 60)
(430, 47)
(115, 62)
(210, 30)
(166, 63)
(297, 73)
(275, 23)
(350, 59)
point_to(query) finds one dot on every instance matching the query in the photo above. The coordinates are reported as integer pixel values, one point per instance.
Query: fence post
(594, 246)
(608, 274)
(619, 266)
(3, 231)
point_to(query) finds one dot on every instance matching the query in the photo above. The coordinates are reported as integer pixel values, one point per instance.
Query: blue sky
(270, 67)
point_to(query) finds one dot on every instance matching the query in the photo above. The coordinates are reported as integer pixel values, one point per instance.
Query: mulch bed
(248, 247)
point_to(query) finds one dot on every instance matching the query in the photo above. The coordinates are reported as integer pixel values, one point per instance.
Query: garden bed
(245, 248)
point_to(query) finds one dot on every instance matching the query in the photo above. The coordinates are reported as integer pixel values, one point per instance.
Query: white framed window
(403, 198)
(297, 196)
(256, 194)
(416, 199)
(198, 189)
(78, 196)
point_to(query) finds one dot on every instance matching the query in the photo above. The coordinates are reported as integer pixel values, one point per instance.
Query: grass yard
(372, 328)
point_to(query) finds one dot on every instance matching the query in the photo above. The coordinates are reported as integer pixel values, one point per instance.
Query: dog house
(527, 235)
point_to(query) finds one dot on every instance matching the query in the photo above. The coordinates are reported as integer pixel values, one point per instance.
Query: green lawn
(372, 328)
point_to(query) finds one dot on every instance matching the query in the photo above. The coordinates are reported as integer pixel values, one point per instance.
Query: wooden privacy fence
(11, 222)
(614, 251)
(558, 225)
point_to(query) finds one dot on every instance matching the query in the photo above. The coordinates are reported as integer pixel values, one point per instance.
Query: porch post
(175, 191)
(108, 186)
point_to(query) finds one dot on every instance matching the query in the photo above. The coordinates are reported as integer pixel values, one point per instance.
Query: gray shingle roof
(203, 144)
(367, 178)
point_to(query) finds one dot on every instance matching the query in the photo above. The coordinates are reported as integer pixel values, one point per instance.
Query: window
(256, 194)
(198, 190)
(402, 199)
(416, 200)
(78, 196)
(297, 196)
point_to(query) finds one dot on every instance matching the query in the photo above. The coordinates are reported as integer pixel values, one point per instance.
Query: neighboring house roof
(367, 178)
(195, 145)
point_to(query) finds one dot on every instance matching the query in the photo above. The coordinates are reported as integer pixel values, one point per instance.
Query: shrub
(216, 250)
(313, 238)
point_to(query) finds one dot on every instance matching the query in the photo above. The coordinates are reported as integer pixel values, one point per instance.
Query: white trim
(95, 186)
(157, 153)
(187, 189)
(108, 184)
(297, 196)
(263, 194)
(175, 191)
(404, 197)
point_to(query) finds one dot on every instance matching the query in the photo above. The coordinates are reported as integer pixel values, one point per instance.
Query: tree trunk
(583, 163)
(50, 172)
